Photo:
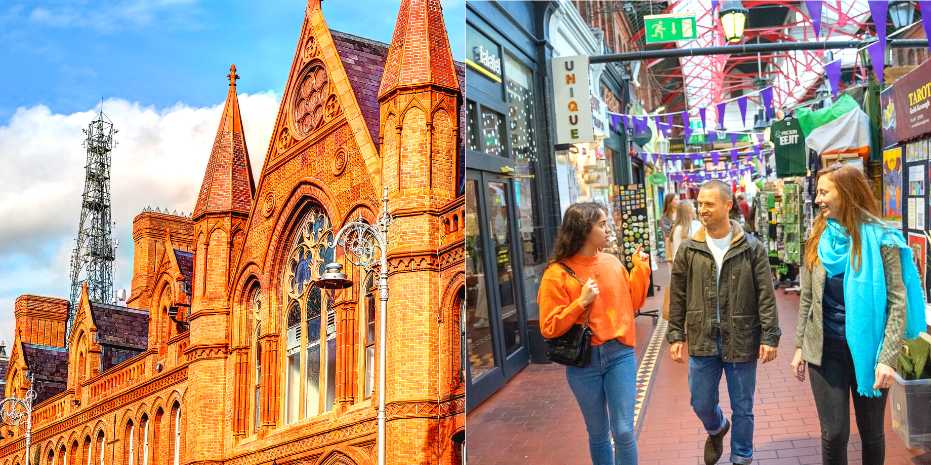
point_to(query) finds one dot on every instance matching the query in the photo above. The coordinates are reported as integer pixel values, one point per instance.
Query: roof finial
(233, 76)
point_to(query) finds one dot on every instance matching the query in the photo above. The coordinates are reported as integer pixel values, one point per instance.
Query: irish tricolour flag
(840, 128)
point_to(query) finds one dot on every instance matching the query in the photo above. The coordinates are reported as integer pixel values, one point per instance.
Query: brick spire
(419, 54)
(228, 184)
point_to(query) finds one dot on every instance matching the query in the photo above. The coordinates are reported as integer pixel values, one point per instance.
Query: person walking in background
(666, 220)
(605, 389)
(744, 207)
(723, 304)
(686, 224)
(860, 294)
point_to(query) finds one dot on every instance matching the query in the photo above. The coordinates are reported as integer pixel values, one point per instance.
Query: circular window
(307, 104)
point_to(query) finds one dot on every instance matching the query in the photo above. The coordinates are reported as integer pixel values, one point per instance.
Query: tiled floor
(534, 419)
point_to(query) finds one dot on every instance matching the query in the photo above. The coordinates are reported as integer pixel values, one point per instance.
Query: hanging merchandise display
(634, 226)
(789, 146)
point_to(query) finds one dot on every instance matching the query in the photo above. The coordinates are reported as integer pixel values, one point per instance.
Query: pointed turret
(228, 186)
(419, 54)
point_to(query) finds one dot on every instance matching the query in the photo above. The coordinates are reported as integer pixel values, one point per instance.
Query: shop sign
(677, 145)
(570, 89)
(599, 117)
(657, 179)
(669, 28)
(910, 115)
(485, 55)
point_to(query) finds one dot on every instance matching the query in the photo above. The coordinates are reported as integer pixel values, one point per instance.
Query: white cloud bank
(159, 162)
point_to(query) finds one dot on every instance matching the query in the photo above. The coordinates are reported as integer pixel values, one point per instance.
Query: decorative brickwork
(230, 355)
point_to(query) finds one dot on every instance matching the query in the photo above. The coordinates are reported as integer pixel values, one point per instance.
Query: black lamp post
(733, 18)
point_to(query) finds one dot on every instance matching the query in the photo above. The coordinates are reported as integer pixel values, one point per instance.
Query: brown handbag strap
(577, 278)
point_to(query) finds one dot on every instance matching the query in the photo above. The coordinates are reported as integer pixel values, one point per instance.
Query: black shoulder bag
(574, 348)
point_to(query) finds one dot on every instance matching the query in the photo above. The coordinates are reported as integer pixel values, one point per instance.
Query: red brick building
(225, 351)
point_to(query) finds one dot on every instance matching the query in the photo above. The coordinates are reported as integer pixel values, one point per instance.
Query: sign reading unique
(669, 28)
(572, 101)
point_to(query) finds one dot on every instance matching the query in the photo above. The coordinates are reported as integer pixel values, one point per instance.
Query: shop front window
(524, 153)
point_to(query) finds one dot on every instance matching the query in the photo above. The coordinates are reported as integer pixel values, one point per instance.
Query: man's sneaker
(714, 445)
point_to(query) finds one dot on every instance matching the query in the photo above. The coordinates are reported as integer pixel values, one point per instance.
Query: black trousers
(832, 384)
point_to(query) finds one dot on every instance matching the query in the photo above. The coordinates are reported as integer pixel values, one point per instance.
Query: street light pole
(363, 241)
(18, 412)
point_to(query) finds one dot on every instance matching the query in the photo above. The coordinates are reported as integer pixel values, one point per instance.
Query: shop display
(635, 226)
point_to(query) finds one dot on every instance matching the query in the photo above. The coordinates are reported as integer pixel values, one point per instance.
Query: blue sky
(68, 54)
(160, 66)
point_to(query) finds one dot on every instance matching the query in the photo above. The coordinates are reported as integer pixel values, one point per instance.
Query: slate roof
(121, 326)
(47, 363)
(364, 62)
(186, 263)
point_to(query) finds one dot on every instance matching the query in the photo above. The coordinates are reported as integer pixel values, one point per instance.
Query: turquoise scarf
(865, 293)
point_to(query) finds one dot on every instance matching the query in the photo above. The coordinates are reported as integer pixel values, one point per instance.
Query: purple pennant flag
(624, 120)
(715, 157)
(669, 121)
(701, 112)
(714, 4)
(685, 125)
(742, 104)
(721, 107)
(734, 155)
(655, 158)
(760, 136)
(877, 55)
(662, 158)
(696, 158)
(767, 95)
(616, 122)
(878, 9)
(734, 136)
(711, 136)
(814, 12)
(926, 7)
(756, 151)
(832, 70)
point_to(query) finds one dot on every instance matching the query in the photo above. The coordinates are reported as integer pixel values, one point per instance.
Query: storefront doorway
(495, 327)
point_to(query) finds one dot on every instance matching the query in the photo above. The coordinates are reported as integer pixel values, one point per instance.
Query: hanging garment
(789, 147)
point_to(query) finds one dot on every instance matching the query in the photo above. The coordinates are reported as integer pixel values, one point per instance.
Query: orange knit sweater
(620, 295)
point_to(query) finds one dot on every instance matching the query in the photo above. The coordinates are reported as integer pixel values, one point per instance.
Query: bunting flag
(734, 136)
(721, 107)
(714, 4)
(832, 70)
(877, 56)
(695, 158)
(756, 151)
(715, 158)
(767, 95)
(734, 154)
(814, 12)
(711, 136)
(616, 122)
(878, 9)
(926, 6)
(669, 121)
(655, 158)
(624, 120)
(686, 126)
(759, 137)
(701, 112)
(742, 104)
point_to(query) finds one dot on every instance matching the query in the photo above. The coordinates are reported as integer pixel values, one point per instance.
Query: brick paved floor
(534, 419)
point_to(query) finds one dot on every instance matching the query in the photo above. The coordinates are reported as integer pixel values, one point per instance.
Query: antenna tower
(94, 250)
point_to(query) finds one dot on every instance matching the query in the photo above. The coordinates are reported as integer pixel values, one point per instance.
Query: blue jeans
(605, 391)
(704, 378)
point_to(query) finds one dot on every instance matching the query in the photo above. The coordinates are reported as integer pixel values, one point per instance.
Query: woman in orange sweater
(605, 389)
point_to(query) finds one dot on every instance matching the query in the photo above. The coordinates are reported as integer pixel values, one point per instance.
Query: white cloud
(111, 15)
(159, 162)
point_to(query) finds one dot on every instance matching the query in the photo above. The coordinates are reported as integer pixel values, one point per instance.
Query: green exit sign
(669, 28)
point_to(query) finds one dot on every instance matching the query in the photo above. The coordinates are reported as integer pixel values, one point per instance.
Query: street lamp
(902, 13)
(367, 246)
(733, 18)
(18, 412)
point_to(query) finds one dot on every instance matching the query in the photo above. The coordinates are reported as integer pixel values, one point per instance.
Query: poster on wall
(918, 243)
(887, 104)
(892, 186)
(916, 179)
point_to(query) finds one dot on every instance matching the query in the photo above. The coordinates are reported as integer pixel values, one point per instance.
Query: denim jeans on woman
(605, 391)
(832, 384)
(704, 379)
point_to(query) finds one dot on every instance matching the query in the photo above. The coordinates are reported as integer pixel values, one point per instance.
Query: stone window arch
(310, 322)
(129, 442)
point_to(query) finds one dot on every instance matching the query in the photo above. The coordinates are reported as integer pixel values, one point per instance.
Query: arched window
(156, 435)
(176, 434)
(144, 440)
(51, 457)
(311, 331)
(257, 401)
(369, 331)
(87, 450)
(128, 442)
(73, 454)
(62, 456)
(100, 446)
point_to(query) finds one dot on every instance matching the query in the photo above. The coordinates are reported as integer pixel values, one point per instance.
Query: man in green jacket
(722, 302)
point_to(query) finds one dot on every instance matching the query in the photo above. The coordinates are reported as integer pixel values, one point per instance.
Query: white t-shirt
(718, 249)
(677, 235)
